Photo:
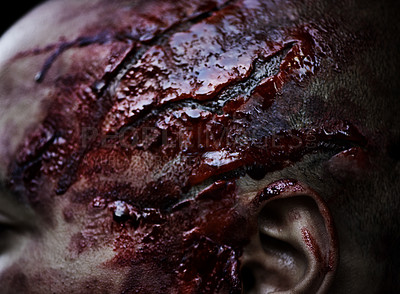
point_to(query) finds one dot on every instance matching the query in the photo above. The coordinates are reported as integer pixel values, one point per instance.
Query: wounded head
(155, 127)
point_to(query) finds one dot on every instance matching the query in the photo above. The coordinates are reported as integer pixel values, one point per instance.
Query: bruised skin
(146, 119)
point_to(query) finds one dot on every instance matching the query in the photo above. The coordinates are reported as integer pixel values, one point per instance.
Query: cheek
(68, 256)
(45, 269)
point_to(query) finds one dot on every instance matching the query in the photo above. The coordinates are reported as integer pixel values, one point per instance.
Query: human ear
(294, 248)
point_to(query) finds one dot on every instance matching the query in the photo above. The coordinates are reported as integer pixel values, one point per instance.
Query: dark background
(11, 12)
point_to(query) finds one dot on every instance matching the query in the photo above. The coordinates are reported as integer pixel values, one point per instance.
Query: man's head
(174, 147)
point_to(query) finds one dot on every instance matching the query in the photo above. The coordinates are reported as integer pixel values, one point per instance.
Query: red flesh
(167, 106)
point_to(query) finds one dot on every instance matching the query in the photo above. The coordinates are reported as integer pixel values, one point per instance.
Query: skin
(140, 143)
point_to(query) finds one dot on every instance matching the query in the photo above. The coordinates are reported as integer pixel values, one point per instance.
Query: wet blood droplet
(121, 211)
(124, 212)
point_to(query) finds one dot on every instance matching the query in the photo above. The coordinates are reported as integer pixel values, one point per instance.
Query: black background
(11, 12)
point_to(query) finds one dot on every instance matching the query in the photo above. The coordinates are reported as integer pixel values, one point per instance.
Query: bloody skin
(171, 99)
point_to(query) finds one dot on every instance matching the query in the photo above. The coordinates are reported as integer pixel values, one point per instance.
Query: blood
(182, 115)
(312, 245)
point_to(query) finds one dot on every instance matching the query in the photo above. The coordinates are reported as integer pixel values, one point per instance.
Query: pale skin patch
(47, 251)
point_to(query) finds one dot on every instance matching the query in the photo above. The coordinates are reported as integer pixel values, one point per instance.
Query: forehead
(160, 97)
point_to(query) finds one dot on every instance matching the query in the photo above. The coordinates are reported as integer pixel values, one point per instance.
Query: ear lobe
(294, 250)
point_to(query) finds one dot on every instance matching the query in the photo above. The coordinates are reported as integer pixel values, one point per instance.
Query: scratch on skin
(312, 244)
(106, 37)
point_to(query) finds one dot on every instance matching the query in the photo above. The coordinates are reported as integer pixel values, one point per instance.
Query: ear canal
(294, 250)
